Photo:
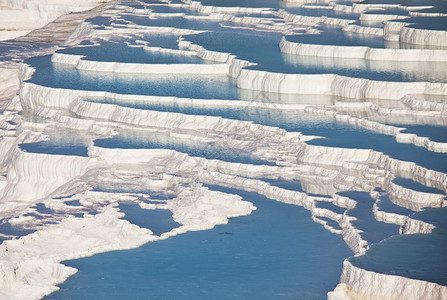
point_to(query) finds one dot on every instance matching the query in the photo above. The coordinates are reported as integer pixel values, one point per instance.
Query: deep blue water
(158, 221)
(331, 223)
(253, 257)
(417, 256)
(416, 186)
(386, 205)
(373, 231)
(434, 133)
(330, 206)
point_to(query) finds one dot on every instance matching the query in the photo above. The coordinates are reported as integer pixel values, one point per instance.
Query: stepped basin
(372, 230)
(336, 134)
(386, 145)
(155, 140)
(386, 205)
(269, 58)
(427, 23)
(434, 133)
(416, 256)
(416, 186)
(232, 261)
(176, 22)
(337, 37)
(60, 142)
(114, 52)
(193, 86)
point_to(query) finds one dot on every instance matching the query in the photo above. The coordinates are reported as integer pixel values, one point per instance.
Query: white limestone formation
(18, 18)
(357, 283)
(363, 52)
(30, 266)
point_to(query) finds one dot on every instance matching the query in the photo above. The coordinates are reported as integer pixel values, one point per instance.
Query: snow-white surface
(17, 18)
(363, 52)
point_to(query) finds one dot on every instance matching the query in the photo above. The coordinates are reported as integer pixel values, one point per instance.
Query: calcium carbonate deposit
(243, 149)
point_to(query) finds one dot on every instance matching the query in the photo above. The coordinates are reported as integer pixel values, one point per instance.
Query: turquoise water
(269, 57)
(253, 257)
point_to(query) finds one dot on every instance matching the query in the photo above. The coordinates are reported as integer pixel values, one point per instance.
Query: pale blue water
(303, 11)
(204, 87)
(125, 54)
(386, 145)
(176, 22)
(253, 257)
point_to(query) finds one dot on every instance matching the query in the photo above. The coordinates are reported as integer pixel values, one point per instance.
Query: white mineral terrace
(30, 265)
